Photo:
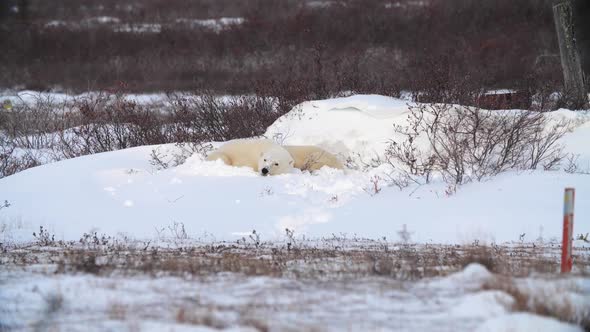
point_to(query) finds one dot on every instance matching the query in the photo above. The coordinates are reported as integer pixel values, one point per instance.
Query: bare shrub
(367, 46)
(572, 165)
(207, 117)
(108, 122)
(12, 158)
(30, 124)
(374, 186)
(464, 143)
(44, 238)
(162, 158)
(482, 255)
(11, 163)
(46, 131)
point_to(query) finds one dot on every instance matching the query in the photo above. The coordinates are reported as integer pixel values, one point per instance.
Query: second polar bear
(263, 155)
(312, 158)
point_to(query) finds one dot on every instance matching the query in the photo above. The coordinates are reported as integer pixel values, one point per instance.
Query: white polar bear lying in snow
(311, 158)
(268, 158)
(263, 155)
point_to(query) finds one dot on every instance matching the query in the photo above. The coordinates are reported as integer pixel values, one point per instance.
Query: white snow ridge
(499, 210)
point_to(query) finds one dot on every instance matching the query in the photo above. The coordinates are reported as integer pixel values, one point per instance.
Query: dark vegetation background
(315, 48)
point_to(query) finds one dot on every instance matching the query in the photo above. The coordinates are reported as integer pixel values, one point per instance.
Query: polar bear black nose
(265, 171)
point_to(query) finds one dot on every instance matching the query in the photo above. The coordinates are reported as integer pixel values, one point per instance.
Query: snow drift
(122, 193)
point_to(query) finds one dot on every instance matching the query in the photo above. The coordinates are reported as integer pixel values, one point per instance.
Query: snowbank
(32, 97)
(526, 322)
(121, 192)
(231, 300)
(360, 124)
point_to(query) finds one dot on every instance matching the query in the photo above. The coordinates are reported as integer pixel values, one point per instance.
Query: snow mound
(377, 106)
(360, 127)
(471, 277)
(361, 124)
(496, 303)
(122, 192)
(526, 322)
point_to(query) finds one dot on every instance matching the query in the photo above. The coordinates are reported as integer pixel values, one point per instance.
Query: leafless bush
(573, 166)
(107, 123)
(44, 238)
(332, 257)
(30, 125)
(46, 131)
(162, 158)
(12, 158)
(366, 46)
(94, 240)
(208, 117)
(178, 231)
(482, 255)
(462, 144)
(11, 163)
(374, 186)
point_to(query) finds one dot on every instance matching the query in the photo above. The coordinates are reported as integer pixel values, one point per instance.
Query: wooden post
(568, 229)
(570, 58)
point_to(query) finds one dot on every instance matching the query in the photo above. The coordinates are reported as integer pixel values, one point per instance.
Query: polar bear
(312, 158)
(263, 155)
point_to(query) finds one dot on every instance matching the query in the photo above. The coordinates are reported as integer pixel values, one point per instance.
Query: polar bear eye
(264, 159)
(276, 164)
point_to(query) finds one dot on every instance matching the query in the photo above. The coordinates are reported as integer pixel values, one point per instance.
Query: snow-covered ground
(31, 98)
(121, 192)
(114, 23)
(124, 195)
(459, 302)
(214, 24)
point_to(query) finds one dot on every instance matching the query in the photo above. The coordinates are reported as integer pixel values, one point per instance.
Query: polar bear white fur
(263, 155)
(311, 158)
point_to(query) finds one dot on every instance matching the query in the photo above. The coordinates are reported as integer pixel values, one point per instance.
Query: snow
(404, 4)
(361, 124)
(116, 24)
(230, 301)
(321, 4)
(525, 322)
(139, 27)
(122, 193)
(576, 142)
(101, 20)
(499, 92)
(56, 24)
(30, 98)
(215, 24)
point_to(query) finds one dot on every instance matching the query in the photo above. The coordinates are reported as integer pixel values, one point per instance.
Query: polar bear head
(275, 161)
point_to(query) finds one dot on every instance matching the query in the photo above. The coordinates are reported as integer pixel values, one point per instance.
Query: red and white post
(568, 228)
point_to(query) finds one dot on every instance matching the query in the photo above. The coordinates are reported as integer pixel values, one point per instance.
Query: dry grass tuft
(328, 258)
(555, 303)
